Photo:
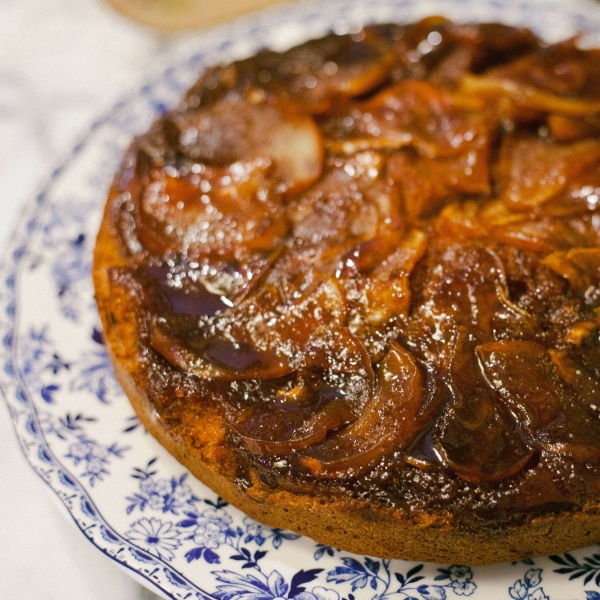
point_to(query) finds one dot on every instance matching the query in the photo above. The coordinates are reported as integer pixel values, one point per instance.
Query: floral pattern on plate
(125, 493)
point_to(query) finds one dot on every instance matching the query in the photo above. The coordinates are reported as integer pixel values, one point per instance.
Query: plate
(126, 494)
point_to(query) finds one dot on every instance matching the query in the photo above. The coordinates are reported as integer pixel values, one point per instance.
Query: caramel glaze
(379, 254)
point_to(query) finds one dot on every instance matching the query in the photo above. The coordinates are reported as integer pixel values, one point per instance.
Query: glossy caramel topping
(382, 248)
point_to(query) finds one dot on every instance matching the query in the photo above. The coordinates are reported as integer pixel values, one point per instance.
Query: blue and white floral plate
(126, 494)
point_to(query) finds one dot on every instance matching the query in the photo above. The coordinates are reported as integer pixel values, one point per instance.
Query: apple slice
(389, 421)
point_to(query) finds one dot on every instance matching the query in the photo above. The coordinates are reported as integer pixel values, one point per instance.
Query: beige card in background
(179, 15)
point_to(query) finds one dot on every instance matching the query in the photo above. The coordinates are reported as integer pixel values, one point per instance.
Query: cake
(354, 287)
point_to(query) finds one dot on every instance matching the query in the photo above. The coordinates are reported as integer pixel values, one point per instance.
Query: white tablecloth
(62, 63)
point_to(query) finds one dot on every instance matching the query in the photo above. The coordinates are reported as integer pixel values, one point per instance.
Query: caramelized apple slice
(580, 197)
(582, 331)
(379, 300)
(389, 421)
(452, 142)
(442, 51)
(383, 289)
(411, 113)
(278, 430)
(477, 47)
(549, 234)
(224, 212)
(337, 350)
(461, 221)
(342, 66)
(220, 359)
(580, 266)
(570, 129)
(314, 75)
(229, 132)
(264, 337)
(525, 378)
(427, 184)
(387, 288)
(478, 438)
(584, 383)
(558, 79)
(323, 71)
(352, 203)
(464, 286)
(532, 170)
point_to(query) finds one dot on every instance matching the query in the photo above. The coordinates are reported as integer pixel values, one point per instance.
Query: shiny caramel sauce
(380, 254)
